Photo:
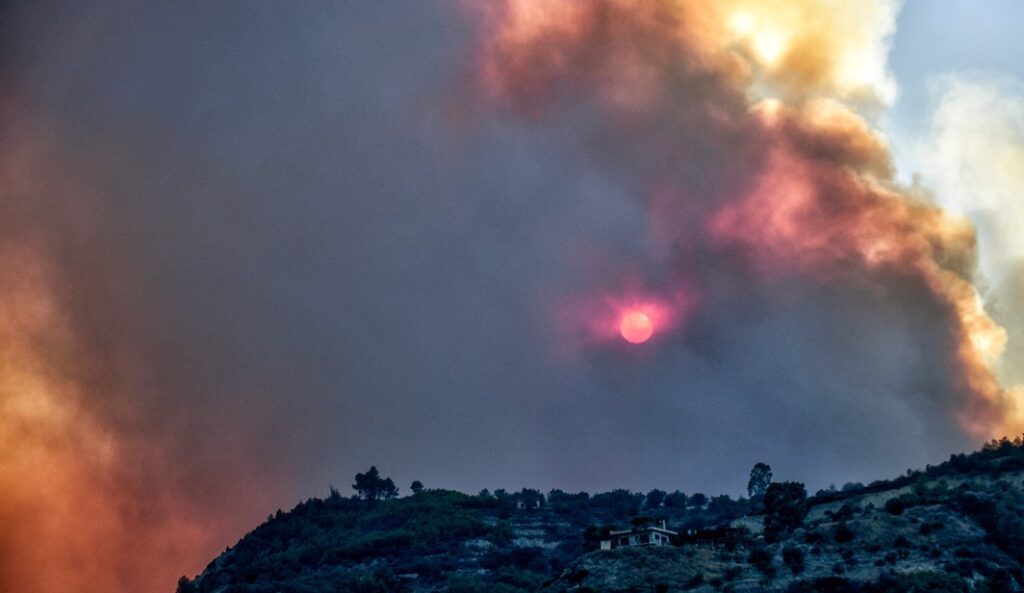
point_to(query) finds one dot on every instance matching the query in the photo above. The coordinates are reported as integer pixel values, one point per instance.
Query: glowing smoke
(681, 84)
(972, 155)
(247, 254)
(93, 497)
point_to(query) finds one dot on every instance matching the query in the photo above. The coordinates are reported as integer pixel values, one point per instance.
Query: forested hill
(957, 526)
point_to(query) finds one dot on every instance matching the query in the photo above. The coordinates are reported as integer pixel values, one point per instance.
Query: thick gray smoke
(291, 242)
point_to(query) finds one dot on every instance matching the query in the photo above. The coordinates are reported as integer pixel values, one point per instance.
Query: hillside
(958, 526)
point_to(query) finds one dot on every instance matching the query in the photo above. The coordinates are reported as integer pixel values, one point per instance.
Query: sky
(248, 249)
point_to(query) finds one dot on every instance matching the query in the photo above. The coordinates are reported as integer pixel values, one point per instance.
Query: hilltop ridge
(956, 526)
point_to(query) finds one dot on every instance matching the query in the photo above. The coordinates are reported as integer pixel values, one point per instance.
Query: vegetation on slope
(958, 526)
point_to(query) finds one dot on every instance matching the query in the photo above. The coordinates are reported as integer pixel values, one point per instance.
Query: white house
(639, 536)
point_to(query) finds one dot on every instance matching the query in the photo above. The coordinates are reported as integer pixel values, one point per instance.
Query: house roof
(642, 530)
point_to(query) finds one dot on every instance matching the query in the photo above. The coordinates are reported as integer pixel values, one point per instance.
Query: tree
(720, 505)
(593, 535)
(785, 506)
(416, 486)
(655, 498)
(185, 586)
(372, 487)
(620, 503)
(641, 521)
(698, 499)
(676, 500)
(760, 479)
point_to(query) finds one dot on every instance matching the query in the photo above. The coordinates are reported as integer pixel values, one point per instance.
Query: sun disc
(636, 327)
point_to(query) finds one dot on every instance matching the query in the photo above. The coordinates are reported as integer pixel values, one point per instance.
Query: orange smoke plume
(74, 514)
(89, 500)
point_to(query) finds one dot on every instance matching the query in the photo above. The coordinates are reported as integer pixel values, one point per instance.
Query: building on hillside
(648, 535)
(528, 499)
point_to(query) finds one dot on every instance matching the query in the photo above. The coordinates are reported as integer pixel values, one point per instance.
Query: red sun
(636, 327)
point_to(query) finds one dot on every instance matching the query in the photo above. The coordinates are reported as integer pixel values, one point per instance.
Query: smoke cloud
(972, 155)
(246, 252)
(813, 192)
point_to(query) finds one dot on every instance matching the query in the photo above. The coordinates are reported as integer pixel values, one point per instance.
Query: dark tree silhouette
(785, 506)
(760, 479)
(416, 487)
(655, 498)
(676, 500)
(372, 487)
(185, 586)
(641, 521)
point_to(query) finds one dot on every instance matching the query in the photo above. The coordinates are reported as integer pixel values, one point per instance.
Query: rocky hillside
(928, 538)
(958, 526)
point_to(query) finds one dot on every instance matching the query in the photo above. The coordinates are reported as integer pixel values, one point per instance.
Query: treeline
(439, 537)
(995, 458)
(619, 506)
(376, 540)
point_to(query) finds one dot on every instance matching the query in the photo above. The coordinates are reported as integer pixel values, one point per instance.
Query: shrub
(501, 534)
(931, 526)
(695, 581)
(920, 582)
(793, 558)
(1000, 582)
(577, 576)
(842, 534)
(847, 511)
(761, 558)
